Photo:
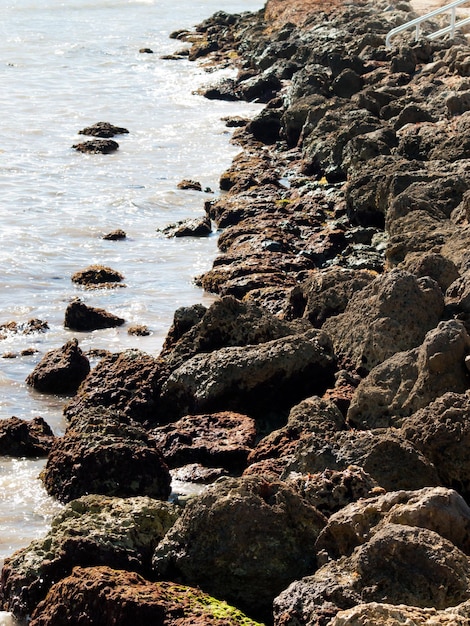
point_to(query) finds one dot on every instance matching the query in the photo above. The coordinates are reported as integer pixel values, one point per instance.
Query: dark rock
(146, 51)
(24, 438)
(271, 529)
(115, 235)
(139, 330)
(61, 370)
(189, 184)
(102, 452)
(215, 440)
(104, 130)
(97, 275)
(93, 530)
(97, 146)
(107, 597)
(184, 319)
(23, 328)
(82, 318)
(197, 227)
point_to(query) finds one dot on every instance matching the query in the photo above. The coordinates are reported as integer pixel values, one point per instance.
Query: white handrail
(418, 21)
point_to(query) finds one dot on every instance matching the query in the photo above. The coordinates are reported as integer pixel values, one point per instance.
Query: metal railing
(416, 23)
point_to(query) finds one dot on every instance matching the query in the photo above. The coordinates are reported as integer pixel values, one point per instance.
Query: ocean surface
(65, 65)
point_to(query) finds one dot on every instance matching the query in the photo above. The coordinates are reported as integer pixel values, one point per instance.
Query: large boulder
(439, 509)
(243, 540)
(441, 431)
(25, 438)
(411, 380)
(60, 371)
(256, 380)
(126, 381)
(391, 314)
(399, 564)
(214, 440)
(94, 530)
(103, 452)
(102, 596)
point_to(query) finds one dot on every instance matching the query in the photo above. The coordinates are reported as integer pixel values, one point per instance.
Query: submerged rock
(97, 146)
(103, 129)
(97, 275)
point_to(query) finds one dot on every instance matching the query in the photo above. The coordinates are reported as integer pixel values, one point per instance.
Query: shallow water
(64, 66)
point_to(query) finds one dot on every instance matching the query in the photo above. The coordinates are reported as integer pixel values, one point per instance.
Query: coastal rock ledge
(325, 393)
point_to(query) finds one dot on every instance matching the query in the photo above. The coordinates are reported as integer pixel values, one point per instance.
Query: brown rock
(106, 597)
(115, 235)
(379, 613)
(97, 146)
(82, 318)
(60, 371)
(103, 129)
(214, 440)
(23, 438)
(242, 539)
(190, 184)
(198, 227)
(95, 275)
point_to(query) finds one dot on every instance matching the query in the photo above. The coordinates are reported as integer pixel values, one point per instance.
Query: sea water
(65, 65)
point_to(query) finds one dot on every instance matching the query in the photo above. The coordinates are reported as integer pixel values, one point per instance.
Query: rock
(198, 227)
(93, 530)
(104, 596)
(440, 431)
(269, 378)
(411, 380)
(115, 235)
(331, 490)
(391, 314)
(25, 438)
(95, 275)
(127, 382)
(438, 509)
(432, 264)
(103, 129)
(189, 184)
(102, 452)
(196, 473)
(23, 328)
(398, 565)
(214, 440)
(139, 330)
(374, 613)
(226, 323)
(60, 371)
(146, 51)
(267, 546)
(97, 146)
(83, 318)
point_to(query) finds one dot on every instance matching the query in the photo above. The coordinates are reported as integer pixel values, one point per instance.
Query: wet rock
(271, 529)
(184, 318)
(23, 328)
(25, 438)
(139, 330)
(126, 382)
(198, 227)
(93, 530)
(83, 318)
(390, 314)
(438, 509)
(97, 275)
(411, 380)
(115, 235)
(104, 596)
(189, 184)
(102, 452)
(104, 130)
(97, 146)
(60, 371)
(269, 378)
(146, 51)
(214, 440)
(398, 565)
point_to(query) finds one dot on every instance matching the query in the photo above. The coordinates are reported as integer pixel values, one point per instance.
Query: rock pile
(328, 386)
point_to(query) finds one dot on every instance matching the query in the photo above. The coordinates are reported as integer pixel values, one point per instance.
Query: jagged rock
(126, 382)
(436, 508)
(97, 146)
(381, 614)
(103, 129)
(102, 452)
(61, 370)
(267, 546)
(93, 530)
(23, 328)
(24, 438)
(214, 440)
(398, 565)
(107, 597)
(432, 264)
(189, 184)
(82, 318)
(198, 227)
(391, 314)
(268, 378)
(184, 319)
(411, 380)
(97, 275)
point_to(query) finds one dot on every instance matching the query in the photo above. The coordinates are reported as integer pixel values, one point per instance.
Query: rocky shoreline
(322, 402)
